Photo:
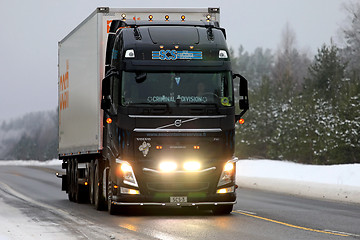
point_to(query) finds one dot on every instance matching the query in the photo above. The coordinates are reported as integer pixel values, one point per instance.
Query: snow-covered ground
(335, 182)
(53, 162)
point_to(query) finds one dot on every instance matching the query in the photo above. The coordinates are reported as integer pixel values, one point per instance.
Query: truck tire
(222, 209)
(99, 200)
(91, 182)
(112, 208)
(70, 180)
(75, 181)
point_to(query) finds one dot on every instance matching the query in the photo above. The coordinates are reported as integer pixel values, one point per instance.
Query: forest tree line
(303, 109)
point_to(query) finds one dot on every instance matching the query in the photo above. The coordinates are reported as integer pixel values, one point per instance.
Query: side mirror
(106, 103)
(106, 97)
(244, 95)
(106, 94)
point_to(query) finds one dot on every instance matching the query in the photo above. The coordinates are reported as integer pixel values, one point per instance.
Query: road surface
(32, 206)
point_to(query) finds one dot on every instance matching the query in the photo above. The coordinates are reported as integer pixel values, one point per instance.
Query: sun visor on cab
(174, 35)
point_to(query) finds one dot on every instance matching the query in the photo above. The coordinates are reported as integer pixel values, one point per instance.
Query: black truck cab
(169, 115)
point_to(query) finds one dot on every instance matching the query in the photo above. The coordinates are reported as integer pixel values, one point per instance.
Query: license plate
(178, 199)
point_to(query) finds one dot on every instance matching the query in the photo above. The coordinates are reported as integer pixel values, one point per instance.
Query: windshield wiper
(147, 103)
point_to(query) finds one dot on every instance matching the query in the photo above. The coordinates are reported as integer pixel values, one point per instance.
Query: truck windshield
(181, 88)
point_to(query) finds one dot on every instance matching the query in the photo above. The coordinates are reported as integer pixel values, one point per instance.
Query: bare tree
(290, 65)
(351, 51)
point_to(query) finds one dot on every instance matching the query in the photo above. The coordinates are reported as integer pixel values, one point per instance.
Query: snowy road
(32, 206)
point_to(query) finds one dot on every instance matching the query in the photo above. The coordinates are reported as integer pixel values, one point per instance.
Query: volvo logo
(177, 123)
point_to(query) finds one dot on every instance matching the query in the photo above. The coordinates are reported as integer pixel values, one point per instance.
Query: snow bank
(30, 162)
(335, 182)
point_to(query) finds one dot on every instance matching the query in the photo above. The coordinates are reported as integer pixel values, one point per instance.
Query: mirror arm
(237, 117)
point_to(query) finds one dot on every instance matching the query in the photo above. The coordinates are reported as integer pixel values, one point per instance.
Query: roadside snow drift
(335, 182)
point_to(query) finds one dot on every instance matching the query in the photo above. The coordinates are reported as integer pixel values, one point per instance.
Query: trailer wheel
(222, 209)
(99, 200)
(70, 180)
(91, 182)
(75, 181)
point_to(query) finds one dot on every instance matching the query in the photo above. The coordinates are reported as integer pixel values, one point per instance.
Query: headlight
(127, 172)
(227, 173)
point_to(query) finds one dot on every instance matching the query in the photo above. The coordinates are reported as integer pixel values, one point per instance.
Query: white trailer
(81, 68)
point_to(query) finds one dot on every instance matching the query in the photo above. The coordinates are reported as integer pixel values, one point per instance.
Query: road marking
(350, 234)
(252, 213)
(294, 226)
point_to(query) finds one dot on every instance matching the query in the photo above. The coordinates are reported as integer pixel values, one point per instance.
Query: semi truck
(147, 110)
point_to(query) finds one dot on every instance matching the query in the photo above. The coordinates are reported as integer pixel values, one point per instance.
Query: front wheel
(99, 200)
(112, 208)
(222, 209)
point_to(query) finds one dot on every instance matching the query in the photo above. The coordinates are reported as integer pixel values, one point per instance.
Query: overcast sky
(30, 31)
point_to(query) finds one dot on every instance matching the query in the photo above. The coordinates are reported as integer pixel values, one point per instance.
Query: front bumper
(141, 200)
(167, 204)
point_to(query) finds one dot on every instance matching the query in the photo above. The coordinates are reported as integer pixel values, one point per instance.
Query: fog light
(191, 166)
(168, 166)
(129, 191)
(226, 190)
